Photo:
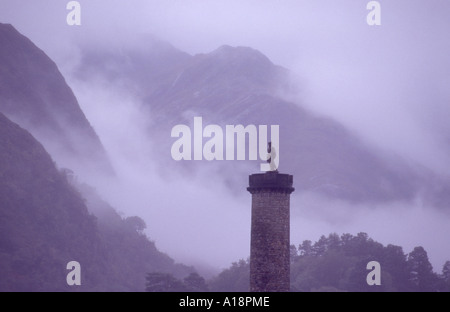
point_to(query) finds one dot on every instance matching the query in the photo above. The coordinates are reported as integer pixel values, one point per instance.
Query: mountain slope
(242, 86)
(44, 224)
(34, 94)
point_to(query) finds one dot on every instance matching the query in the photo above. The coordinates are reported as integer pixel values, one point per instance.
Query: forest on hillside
(48, 219)
(332, 264)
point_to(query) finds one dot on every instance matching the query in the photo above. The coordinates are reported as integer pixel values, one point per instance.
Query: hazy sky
(389, 83)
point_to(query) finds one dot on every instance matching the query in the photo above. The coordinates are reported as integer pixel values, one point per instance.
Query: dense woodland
(334, 264)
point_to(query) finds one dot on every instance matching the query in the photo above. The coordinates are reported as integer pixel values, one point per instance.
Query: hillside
(34, 94)
(45, 223)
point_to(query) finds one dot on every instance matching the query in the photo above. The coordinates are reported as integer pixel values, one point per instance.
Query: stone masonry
(270, 233)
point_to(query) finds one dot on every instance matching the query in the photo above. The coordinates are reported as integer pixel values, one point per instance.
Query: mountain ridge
(239, 85)
(35, 94)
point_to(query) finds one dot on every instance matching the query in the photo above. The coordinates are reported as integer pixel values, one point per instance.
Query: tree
(421, 275)
(294, 254)
(305, 249)
(163, 282)
(136, 224)
(234, 279)
(394, 262)
(195, 283)
(446, 272)
(334, 242)
(320, 247)
(446, 276)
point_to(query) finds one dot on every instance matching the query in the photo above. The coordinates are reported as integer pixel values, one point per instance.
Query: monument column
(270, 232)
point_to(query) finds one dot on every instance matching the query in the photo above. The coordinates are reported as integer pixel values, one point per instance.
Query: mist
(190, 218)
(383, 82)
(387, 84)
(397, 223)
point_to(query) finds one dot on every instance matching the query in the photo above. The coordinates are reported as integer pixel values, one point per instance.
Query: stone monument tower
(270, 233)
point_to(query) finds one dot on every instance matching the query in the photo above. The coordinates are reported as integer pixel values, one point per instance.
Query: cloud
(190, 218)
(388, 83)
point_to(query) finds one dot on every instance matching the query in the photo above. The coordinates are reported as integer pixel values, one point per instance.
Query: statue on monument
(272, 154)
